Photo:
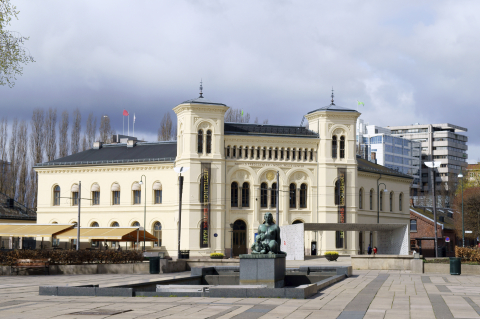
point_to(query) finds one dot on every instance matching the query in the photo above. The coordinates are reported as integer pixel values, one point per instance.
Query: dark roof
(120, 153)
(448, 222)
(16, 211)
(367, 166)
(333, 107)
(269, 130)
(202, 100)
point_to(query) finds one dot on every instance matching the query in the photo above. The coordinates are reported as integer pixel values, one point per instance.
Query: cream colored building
(232, 180)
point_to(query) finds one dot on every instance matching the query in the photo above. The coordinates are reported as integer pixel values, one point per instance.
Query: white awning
(136, 187)
(95, 188)
(75, 188)
(157, 186)
(115, 187)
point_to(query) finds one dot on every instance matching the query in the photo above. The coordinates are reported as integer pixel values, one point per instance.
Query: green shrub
(73, 257)
(331, 253)
(217, 255)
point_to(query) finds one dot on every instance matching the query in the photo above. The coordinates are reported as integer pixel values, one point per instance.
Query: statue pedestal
(263, 269)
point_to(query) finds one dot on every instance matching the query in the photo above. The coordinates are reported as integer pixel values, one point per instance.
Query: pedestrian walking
(374, 251)
(369, 249)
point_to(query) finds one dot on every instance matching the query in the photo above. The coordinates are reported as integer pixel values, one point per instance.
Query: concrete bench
(32, 264)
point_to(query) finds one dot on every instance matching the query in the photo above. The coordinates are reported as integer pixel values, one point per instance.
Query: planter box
(217, 257)
(331, 257)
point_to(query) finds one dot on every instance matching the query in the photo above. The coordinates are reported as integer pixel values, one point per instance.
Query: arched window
(234, 152)
(258, 153)
(239, 152)
(282, 151)
(400, 199)
(270, 153)
(116, 194)
(391, 201)
(245, 195)
(228, 151)
(94, 224)
(413, 225)
(334, 146)
(200, 141)
(360, 199)
(381, 200)
(263, 195)
(135, 224)
(95, 194)
(273, 195)
(252, 152)
(342, 146)
(306, 155)
(234, 196)
(303, 196)
(297, 221)
(264, 153)
(209, 142)
(288, 153)
(293, 196)
(157, 232)
(56, 196)
(157, 192)
(293, 154)
(137, 194)
(75, 195)
(114, 224)
(371, 199)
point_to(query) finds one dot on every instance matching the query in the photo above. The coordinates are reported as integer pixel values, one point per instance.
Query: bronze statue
(268, 237)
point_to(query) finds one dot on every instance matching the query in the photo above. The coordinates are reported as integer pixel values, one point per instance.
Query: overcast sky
(408, 61)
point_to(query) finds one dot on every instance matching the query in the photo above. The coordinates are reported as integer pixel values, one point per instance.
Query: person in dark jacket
(369, 249)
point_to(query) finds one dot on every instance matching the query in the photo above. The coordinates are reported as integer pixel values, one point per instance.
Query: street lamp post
(378, 198)
(180, 170)
(144, 209)
(434, 165)
(463, 225)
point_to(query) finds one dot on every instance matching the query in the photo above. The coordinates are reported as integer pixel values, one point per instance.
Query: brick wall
(425, 228)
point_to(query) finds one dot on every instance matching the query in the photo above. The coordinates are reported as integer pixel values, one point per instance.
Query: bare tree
(91, 130)
(84, 144)
(13, 169)
(76, 129)
(22, 162)
(37, 139)
(51, 134)
(237, 116)
(265, 121)
(63, 135)
(3, 154)
(106, 131)
(166, 128)
(256, 120)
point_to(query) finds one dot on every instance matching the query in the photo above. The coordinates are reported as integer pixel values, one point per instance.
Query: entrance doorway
(239, 238)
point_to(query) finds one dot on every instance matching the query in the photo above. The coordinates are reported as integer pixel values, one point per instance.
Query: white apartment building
(439, 142)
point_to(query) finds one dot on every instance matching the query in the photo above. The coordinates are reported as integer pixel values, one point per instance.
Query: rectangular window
(96, 198)
(116, 198)
(137, 197)
(158, 196)
(75, 198)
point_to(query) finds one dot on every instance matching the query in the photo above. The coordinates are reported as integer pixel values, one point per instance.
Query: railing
(142, 160)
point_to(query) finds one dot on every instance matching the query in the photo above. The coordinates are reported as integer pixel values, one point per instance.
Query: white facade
(243, 160)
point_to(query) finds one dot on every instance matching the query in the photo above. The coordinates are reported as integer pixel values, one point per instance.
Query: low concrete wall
(381, 262)
(194, 263)
(166, 266)
(445, 269)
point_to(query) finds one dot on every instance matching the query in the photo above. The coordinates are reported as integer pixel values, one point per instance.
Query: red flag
(125, 113)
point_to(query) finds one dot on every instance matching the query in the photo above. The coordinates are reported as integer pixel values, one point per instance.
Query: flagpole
(123, 125)
(133, 124)
(128, 124)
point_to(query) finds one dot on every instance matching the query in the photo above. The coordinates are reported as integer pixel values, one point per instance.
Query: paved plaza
(367, 294)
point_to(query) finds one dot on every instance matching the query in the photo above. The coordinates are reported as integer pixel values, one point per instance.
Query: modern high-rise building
(439, 142)
(376, 144)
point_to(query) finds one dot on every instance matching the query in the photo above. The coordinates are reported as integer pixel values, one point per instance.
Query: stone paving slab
(366, 294)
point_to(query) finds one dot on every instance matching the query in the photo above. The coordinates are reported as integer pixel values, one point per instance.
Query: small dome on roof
(333, 107)
(201, 99)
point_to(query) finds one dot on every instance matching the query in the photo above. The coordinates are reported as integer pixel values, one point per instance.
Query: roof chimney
(131, 143)
(97, 145)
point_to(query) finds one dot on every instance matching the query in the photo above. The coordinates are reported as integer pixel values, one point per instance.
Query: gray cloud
(408, 62)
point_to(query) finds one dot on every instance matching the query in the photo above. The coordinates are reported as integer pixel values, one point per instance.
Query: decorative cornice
(103, 169)
(279, 141)
(200, 107)
(384, 177)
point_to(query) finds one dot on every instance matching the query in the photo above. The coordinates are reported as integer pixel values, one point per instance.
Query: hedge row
(469, 254)
(73, 257)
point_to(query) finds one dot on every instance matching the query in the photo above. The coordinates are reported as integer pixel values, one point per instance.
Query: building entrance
(239, 238)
